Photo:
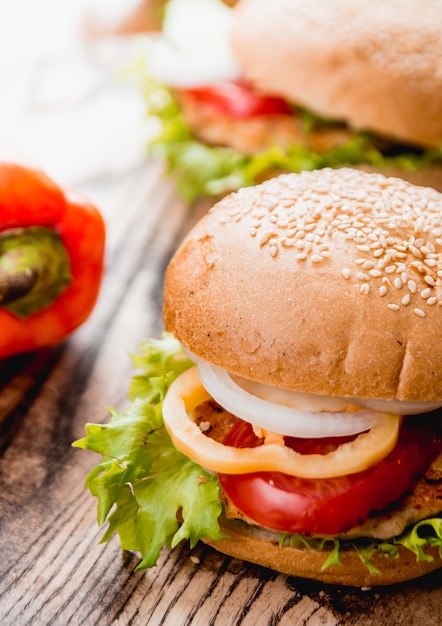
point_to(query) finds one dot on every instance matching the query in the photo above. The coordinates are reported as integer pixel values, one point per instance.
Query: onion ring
(398, 407)
(280, 419)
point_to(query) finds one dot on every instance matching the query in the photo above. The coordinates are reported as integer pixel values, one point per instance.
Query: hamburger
(290, 416)
(247, 91)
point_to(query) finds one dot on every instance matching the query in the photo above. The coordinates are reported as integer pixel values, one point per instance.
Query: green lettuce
(152, 495)
(202, 170)
(143, 484)
(423, 534)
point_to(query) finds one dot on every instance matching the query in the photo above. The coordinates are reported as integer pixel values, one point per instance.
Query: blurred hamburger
(308, 437)
(246, 91)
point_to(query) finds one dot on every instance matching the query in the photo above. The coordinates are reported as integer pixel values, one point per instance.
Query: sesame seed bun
(376, 65)
(256, 545)
(327, 282)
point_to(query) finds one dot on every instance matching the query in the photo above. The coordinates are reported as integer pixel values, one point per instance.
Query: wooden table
(90, 135)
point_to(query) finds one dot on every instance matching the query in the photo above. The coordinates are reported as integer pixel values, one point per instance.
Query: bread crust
(281, 284)
(375, 65)
(250, 544)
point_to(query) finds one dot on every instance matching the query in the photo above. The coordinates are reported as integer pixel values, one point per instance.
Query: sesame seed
(429, 280)
(397, 283)
(415, 251)
(412, 286)
(364, 289)
(346, 273)
(363, 276)
(368, 265)
(382, 290)
(419, 226)
(316, 258)
(264, 237)
(432, 300)
(419, 312)
(425, 293)
(393, 307)
(430, 262)
(375, 273)
(301, 256)
(406, 299)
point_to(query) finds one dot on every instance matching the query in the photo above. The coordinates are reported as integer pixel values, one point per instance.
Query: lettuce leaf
(152, 495)
(148, 492)
(202, 170)
(423, 534)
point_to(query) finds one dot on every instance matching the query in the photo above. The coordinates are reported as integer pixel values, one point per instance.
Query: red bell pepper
(51, 259)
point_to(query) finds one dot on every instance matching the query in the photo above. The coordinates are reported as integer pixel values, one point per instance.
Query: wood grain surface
(53, 571)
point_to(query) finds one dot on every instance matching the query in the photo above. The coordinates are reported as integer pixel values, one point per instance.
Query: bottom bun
(252, 544)
(430, 176)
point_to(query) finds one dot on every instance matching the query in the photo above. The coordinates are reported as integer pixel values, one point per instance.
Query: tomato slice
(238, 100)
(333, 505)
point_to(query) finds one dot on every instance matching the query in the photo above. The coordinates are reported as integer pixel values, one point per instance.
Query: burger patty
(424, 500)
(258, 133)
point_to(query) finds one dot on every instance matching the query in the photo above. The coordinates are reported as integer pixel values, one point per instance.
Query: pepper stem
(34, 269)
(15, 286)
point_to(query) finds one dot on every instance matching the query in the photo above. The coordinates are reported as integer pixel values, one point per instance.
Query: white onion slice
(195, 26)
(397, 407)
(194, 48)
(276, 418)
(294, 399)
(175, 69)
